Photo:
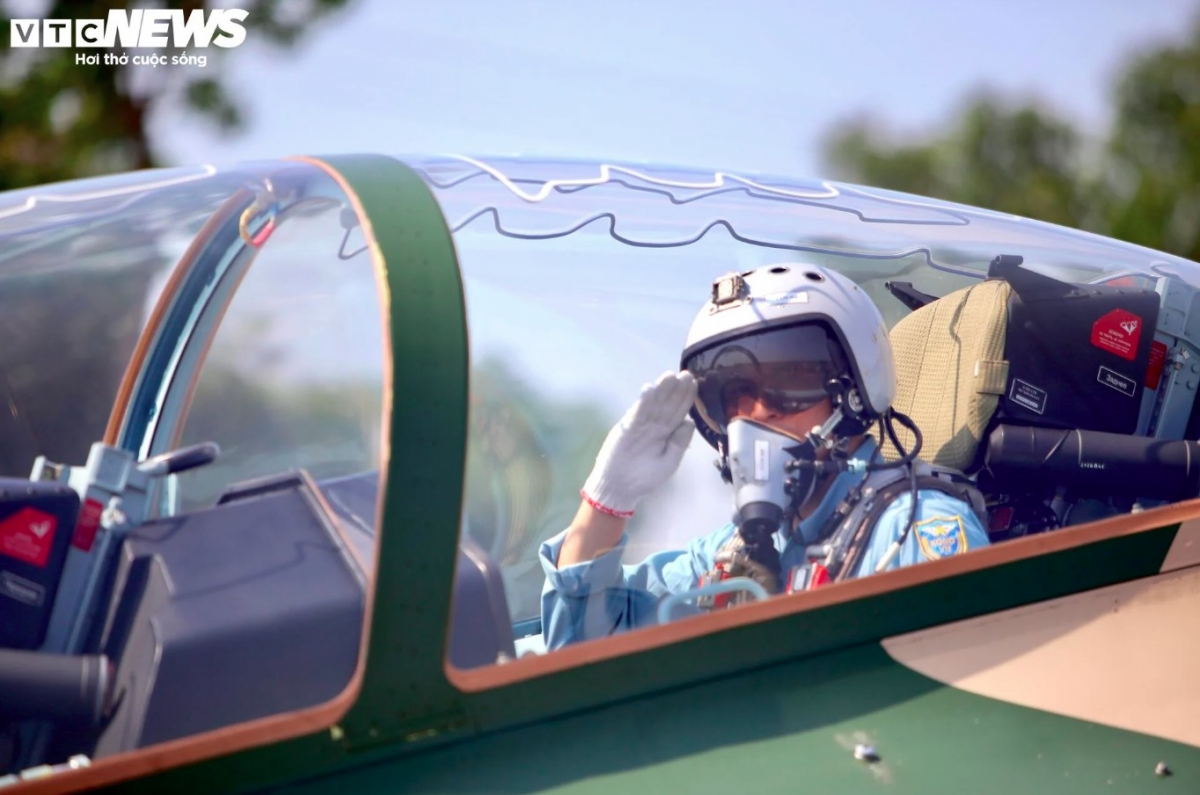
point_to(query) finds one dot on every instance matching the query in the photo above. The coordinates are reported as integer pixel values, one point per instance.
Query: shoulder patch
(941, 536)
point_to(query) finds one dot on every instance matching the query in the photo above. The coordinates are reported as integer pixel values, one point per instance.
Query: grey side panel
(243, 610)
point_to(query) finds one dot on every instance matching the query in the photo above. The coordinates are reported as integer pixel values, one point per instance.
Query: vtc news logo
(134, 29)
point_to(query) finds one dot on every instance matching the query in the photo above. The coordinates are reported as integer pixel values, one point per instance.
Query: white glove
(645, 447)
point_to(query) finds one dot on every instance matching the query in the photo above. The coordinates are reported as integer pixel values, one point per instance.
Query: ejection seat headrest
(951, 371)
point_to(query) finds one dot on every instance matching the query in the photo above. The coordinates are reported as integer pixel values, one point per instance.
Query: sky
(752, 85)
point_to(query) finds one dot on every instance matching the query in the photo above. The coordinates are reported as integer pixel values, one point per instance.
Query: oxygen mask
(764, 493)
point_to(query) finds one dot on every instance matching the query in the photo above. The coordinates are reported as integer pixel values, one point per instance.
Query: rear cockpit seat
(1034, 387)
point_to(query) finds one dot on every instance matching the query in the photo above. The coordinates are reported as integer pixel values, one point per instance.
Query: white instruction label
(21, 589)
(1028, 395)
(762, 459)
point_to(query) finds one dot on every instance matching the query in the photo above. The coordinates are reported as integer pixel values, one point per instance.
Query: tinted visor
(784, 369)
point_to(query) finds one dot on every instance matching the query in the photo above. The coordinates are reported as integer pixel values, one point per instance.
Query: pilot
(784, 371)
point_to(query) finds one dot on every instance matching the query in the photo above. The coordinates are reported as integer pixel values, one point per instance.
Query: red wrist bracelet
(604, 508)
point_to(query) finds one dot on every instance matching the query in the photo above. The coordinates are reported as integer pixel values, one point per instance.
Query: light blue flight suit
(601, 596)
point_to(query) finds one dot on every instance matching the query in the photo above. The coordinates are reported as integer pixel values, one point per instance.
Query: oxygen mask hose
(762, 562)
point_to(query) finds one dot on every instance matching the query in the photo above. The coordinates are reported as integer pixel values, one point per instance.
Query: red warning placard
(1118, 332)
(89, 520)
(28, 535)
(1158, 357)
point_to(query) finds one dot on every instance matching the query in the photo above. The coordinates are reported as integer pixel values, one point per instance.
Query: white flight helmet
(792, 334)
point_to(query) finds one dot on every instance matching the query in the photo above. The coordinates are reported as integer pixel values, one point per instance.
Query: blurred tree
(1141, 185)
(61, 120)
(1154, 150)
(1019, 160)
(527, 455)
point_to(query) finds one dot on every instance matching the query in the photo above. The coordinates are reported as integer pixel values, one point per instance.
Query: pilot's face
(798, 423)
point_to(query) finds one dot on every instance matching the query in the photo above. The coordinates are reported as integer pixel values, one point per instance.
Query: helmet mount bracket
(728, 290)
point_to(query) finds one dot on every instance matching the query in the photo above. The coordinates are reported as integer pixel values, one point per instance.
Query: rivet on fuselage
(865, 753)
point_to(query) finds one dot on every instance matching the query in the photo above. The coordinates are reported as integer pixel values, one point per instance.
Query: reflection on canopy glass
(80, 271)
(586, 282)
(203, 560)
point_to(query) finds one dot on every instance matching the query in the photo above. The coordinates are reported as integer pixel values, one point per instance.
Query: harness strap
(937, 479)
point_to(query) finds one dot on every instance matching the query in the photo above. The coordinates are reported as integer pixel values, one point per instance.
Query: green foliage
(527, 456)
(1141, 185)
(1019, 160)
(266, 426)
(61, 120)
(1155, 148)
